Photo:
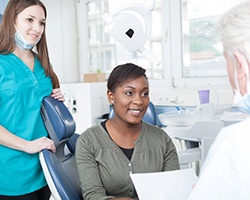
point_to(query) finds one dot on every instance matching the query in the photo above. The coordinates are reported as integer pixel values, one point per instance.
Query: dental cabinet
(85, 101)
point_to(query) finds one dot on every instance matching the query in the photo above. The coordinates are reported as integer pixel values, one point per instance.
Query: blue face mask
(22, 43)
(244, 104)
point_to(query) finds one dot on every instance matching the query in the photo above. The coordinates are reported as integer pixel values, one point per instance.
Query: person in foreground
(107, 153)
(225, 173)
(26, 77)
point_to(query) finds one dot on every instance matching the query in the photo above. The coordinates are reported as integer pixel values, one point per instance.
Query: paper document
(169, 185)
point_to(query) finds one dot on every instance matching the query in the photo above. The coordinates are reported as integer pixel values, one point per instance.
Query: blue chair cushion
(64, 175)
(60, 167)
(59, 117)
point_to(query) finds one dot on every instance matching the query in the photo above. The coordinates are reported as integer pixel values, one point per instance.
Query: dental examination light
(130, 25)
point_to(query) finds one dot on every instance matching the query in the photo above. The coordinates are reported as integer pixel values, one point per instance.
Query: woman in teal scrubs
(26, 77)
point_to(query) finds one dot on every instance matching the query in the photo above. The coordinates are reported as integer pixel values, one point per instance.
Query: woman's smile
(135, 112)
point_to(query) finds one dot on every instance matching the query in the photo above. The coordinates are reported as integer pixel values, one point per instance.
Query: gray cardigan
(104, 169)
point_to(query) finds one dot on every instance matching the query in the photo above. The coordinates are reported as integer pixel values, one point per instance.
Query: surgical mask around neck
(242, 102)
(21, 41)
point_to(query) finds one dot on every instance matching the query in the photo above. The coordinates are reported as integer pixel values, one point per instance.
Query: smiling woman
(29, 28)
(26, 77)
(107, 153)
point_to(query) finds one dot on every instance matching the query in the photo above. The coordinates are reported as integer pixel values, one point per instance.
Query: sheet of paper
(170, 185)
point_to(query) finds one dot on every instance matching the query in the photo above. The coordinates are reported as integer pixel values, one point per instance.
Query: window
(200, 47)
(184, 37)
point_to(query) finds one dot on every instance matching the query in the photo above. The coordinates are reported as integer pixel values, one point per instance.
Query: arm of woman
(88, 172)
(171, 161)
(10, 140)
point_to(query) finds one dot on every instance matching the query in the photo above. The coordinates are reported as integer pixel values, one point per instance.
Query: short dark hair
(123, 73)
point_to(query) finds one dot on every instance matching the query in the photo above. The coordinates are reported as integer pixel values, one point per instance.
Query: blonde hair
(234, 28)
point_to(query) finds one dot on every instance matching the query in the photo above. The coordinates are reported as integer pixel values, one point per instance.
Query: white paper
(169, 185)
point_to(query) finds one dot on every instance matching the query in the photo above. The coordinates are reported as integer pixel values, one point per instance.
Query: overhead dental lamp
(130, 25)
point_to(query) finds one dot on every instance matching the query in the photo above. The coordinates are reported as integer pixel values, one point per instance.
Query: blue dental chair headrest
(59, 120)
(60, 168)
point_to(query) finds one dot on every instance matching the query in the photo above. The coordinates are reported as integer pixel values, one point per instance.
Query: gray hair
(234, 28)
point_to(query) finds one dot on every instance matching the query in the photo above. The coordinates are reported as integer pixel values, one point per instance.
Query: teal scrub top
(21, 95)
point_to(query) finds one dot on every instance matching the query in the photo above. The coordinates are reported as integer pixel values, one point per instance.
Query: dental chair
(149, 117)
(60, 167)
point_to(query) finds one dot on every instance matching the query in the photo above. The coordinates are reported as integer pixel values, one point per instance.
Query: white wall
(61, 32)
(3, 4)
(91, 102)
(187, 97)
